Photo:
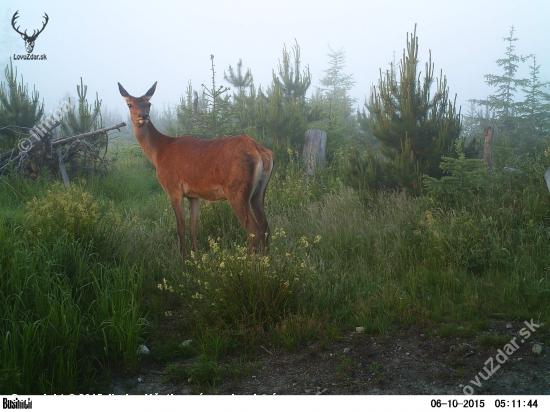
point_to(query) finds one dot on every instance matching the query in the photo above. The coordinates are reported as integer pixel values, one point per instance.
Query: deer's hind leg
(241, 207)
(257, 202)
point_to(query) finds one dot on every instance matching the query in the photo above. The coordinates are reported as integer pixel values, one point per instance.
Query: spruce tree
(340, 121)
(414, 128)
(336, 83)
(503, 103)
(534, 128)
(219, 118)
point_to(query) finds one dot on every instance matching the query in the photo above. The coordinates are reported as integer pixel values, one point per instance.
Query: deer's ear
(151, 91)
(123, 91)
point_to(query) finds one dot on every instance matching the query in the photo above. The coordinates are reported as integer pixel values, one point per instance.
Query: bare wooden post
(62, 168)
(489, 142)
(314, 150)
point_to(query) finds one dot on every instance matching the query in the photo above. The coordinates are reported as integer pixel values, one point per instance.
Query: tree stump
(314, 150)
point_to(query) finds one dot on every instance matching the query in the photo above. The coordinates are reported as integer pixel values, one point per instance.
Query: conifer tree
(413, 127)
(17, 108)
(282, 112)
(218, 118)
(293, 83)
(85, 154)
(243, 100)
(186, 114)
(239, 81)
(336, 83)
(340, 121)
(535, 110)
(85, 118)
(503, 102)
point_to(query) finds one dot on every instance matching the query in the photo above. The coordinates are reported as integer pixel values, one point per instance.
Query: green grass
(80, 271)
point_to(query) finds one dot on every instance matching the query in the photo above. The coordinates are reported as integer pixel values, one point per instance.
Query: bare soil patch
(404, 363)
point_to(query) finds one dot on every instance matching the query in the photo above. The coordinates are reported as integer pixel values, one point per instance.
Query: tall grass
(66, 313)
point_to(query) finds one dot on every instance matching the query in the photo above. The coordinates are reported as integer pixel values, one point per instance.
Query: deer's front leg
(177, 205)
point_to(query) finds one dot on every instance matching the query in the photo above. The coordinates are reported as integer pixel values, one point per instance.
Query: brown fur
(234, 168)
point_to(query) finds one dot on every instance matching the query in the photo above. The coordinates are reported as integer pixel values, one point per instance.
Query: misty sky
(140, 42)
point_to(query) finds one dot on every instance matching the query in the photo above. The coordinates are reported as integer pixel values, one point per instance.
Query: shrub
(240, 290)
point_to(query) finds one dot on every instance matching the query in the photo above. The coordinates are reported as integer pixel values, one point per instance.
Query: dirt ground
(405, 363)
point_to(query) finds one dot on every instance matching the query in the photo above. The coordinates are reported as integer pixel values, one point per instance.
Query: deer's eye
(129, 105)
(148, 104)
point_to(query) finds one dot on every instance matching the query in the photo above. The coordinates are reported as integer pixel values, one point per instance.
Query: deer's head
(29, 40)
(139, 106)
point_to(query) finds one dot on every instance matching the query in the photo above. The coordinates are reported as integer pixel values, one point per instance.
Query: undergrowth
(80, 270)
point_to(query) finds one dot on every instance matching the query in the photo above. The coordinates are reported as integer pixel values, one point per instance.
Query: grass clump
(73, 213)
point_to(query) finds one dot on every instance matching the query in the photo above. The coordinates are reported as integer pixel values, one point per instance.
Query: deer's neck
(150, 140)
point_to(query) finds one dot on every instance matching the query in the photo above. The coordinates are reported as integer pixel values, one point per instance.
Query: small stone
(143, 350)
(407, 353)
(359, 329)
(140, 379)
(186, 343)
(508, 326)
(346, 350)
(461, 385)
(537, 349)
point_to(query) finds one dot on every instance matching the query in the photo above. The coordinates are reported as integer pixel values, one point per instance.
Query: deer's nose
(144, 116)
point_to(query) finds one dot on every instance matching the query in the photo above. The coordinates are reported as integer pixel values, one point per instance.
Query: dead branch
(60, 142)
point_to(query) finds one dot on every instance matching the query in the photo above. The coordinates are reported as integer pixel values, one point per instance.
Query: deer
(232, 168)
(29, 40)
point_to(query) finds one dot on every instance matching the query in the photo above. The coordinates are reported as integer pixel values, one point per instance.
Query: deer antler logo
(29, 40)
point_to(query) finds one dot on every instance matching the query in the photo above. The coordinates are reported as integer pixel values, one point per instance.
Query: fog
(140, 42)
